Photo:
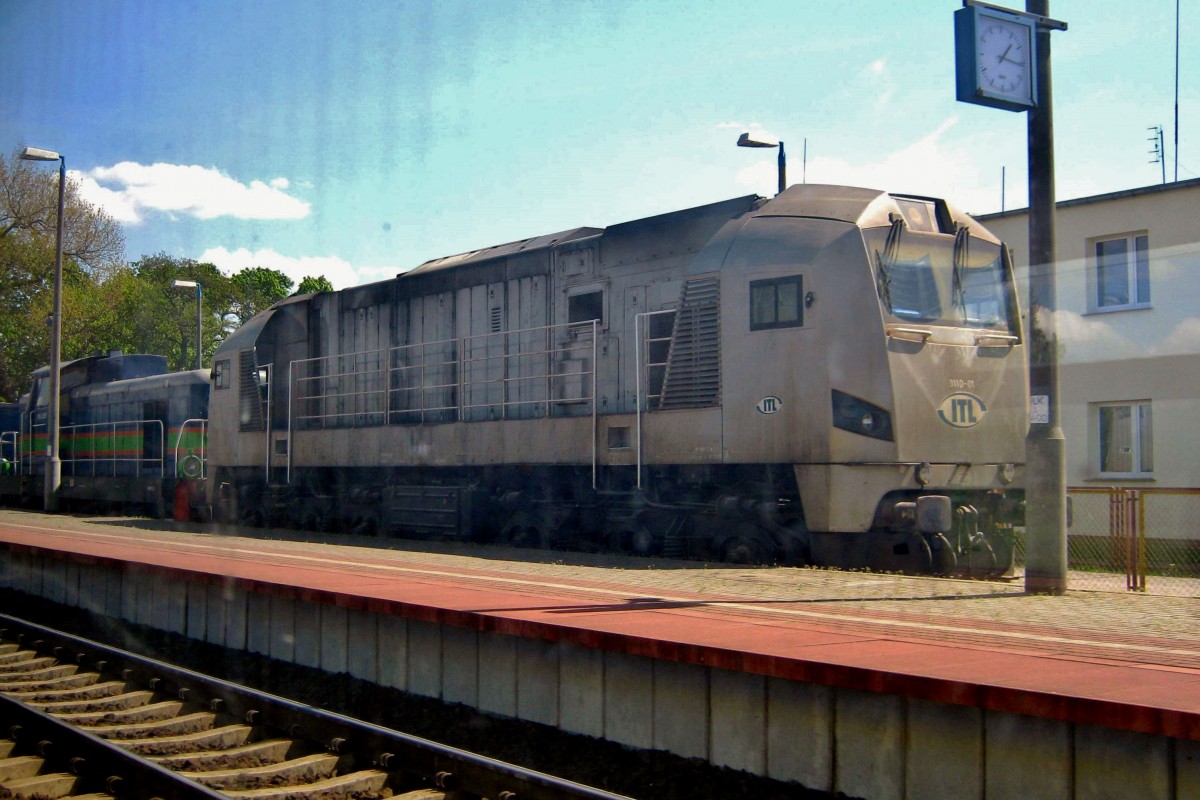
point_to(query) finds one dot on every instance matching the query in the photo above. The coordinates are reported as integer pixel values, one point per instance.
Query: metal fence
(1123, 539)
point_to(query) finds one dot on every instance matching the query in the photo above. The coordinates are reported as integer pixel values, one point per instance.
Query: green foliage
(257, 289)
(93, 247)
(157, 317)
(311, 285)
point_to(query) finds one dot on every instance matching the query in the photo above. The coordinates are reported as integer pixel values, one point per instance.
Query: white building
(1128, 298)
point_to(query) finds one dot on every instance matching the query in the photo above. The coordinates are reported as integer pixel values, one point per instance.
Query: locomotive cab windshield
(941, 279)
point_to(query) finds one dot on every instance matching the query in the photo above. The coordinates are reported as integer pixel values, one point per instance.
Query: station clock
(995, 57)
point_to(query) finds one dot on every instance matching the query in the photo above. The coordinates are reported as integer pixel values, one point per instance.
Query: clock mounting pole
(1045, 445)
(1002, 60)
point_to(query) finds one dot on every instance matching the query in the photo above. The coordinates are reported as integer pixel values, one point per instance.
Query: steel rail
(101, 766)
(361, 743)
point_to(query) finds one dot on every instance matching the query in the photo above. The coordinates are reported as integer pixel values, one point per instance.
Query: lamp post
(53, 469)
(746, 140)
(190, 284)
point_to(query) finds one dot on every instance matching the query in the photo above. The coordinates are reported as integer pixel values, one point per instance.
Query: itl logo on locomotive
(962, 410)
(769, 404)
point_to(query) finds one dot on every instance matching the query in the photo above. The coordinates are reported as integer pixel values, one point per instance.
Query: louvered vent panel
(249, 396)
(693, 378)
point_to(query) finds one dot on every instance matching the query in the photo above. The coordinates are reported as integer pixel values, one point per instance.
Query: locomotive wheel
(636, 540)
(742, 550)
(251, 516)
(310, 517)
(527, 536)
(366, 524)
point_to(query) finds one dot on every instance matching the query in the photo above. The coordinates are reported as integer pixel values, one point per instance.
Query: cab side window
(220, 374)
(776, 303)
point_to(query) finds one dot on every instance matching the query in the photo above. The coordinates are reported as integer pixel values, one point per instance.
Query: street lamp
(53, 476)
(190, 284)
(745, 140)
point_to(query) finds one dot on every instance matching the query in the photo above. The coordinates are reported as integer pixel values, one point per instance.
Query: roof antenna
(1156, 149)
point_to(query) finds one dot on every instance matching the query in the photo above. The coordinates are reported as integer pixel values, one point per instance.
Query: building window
(776, 303)
(1126, 441)
(1122, 272)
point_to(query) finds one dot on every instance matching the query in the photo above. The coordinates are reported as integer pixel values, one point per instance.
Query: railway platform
(874, 686)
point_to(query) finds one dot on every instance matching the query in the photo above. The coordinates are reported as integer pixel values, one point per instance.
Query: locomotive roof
(112, 366)
(497, 251)
(855, 205)
(731, 207)
(156, 383)
(867, 208)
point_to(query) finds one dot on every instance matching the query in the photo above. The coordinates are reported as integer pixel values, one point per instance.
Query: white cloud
(337, 271)
(128, 190)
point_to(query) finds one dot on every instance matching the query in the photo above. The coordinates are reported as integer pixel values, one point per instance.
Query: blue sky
(358, 139)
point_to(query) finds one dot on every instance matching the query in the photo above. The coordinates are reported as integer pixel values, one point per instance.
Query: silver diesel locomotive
(834, 376)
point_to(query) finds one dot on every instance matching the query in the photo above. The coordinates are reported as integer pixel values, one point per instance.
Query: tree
(93, 247)
(256, 289)
(311, 285)
(157, 317)
(29, 209)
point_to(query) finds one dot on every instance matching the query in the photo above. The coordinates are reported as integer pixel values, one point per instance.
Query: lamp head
(184, 284)
(759, 140)
(38, 154)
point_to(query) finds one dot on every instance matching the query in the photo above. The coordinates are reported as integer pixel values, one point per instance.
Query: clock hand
(1004, 56)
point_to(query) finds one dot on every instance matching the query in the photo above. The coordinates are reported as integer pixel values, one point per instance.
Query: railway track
(81, 719)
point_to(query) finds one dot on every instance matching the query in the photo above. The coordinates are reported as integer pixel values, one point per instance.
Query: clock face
(1003, 57)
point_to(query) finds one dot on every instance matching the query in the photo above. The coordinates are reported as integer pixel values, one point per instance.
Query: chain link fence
(1122, 539)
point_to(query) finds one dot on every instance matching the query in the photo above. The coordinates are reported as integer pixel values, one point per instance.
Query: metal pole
(782, 169)
(198, 329)
(1045, 490)
(53, 477)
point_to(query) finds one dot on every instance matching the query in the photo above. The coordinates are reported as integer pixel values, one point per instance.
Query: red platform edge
(990, 696)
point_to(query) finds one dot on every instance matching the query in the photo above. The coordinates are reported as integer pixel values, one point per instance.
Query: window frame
(220, 374)
(576, 294)
(776, 323)
(1141, 423)
(1136, 275)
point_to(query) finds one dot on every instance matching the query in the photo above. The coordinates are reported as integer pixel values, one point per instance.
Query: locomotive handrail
(14, 439)
(26, 440)
(640, 342)
(369, 378)
(372, 382)
(1006, 338)
(203, 456)
(72, 433)
(906, 333)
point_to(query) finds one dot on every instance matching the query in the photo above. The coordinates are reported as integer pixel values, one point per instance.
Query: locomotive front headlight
(861, 417)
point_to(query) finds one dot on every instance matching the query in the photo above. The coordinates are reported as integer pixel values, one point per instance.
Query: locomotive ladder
(692, 371)
(693, 375)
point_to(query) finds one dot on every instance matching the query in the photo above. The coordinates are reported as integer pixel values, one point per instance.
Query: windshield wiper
(962, 244)
(886, 260)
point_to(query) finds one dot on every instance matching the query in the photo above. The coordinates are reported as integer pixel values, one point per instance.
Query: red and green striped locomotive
(130, 434)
